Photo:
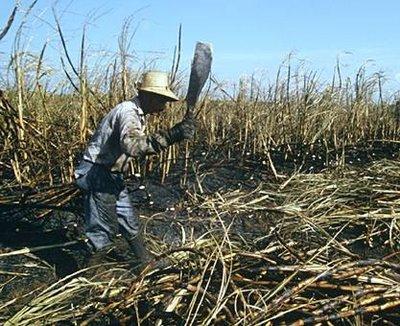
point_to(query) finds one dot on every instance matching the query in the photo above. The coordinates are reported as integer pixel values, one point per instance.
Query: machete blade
(201, 66)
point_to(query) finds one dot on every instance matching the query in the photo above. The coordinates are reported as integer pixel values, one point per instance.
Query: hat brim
(171, 97)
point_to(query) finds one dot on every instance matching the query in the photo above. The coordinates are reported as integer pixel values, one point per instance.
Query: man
(120, 135)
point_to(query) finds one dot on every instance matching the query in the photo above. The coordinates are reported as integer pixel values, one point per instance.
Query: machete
(201, 66)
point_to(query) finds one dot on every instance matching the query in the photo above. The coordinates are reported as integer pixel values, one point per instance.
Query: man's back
(105, 145)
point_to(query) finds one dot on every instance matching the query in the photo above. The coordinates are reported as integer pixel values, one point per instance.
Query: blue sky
(247, 36)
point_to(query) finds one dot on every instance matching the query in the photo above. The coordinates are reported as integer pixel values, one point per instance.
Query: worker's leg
(127, 215)
(100, 219)
(130, 227)
(101, 192)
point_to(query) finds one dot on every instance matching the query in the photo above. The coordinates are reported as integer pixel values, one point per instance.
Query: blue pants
(108, 208)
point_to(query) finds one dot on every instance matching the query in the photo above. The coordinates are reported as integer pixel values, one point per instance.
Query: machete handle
(190, 113)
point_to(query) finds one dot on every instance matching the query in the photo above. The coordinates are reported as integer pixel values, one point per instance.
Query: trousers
(108, 208)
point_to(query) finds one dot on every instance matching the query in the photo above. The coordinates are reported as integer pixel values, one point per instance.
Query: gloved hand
(159, 141)
(182, 130)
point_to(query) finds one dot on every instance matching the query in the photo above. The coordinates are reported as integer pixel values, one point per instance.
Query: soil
(19, 228)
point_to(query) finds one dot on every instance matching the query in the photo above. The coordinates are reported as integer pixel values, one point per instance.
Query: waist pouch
(93, 177)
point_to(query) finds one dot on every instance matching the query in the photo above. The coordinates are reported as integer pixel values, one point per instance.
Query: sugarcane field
(138, 193)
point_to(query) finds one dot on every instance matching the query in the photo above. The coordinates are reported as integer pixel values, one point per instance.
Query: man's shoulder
(127, 105)
(130, 106)
(129, 112)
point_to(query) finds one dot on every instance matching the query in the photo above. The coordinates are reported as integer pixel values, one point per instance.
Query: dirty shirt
(121, 135)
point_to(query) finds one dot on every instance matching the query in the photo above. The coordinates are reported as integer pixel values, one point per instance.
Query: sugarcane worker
(121, 134)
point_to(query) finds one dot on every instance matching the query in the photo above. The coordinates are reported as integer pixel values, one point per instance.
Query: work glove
(159, 141)
(182, 130)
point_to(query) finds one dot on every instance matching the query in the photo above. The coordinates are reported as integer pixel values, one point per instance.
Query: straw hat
(157, 82)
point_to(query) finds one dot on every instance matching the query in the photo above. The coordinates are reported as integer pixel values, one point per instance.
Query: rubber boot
(142, 255)
(99, 257)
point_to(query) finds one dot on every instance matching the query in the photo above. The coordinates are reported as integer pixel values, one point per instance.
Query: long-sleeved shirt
(120, 135)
